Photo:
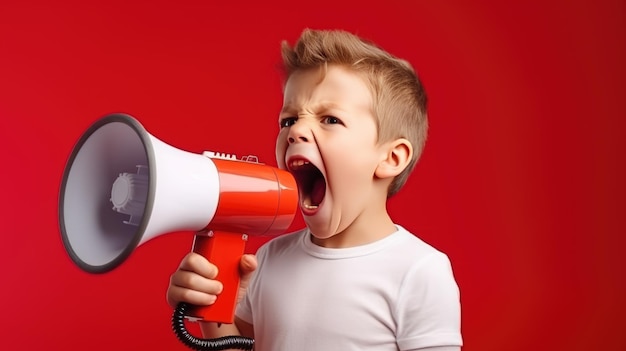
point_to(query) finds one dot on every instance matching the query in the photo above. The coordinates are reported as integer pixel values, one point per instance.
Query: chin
(322, 229)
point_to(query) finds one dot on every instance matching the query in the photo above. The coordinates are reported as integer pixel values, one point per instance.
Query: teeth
(310, 207)
(298, 163)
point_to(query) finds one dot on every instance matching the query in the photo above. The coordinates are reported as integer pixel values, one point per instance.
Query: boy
(352, 127)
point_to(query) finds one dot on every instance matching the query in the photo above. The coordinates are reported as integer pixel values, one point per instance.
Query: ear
(396, 156)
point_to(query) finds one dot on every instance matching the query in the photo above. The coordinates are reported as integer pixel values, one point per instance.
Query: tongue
(318, 191)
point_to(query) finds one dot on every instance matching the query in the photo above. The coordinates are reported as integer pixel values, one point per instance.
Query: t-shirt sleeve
(428, 311)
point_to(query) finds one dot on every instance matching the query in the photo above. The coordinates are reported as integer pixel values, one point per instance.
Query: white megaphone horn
(122, 187)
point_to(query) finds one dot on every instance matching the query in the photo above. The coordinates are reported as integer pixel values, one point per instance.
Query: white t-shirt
(397, 293)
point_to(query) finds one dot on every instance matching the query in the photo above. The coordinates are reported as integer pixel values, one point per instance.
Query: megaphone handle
(223, 249)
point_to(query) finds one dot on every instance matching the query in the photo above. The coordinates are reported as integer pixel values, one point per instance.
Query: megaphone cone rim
(148, 149)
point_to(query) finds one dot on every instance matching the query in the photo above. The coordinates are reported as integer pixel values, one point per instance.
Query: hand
(194, 281)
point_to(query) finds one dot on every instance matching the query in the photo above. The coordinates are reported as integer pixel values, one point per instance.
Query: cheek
(356, 175)
(357, 155)
(351, 170)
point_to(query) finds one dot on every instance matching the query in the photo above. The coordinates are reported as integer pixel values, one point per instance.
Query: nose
(300, 132)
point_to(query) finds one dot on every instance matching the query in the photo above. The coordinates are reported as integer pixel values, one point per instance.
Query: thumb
(247, 266)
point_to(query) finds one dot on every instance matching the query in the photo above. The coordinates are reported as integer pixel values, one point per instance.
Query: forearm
(212, 330)
(238, 329)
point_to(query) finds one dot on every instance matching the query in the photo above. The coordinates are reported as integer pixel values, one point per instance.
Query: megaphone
(122, 187)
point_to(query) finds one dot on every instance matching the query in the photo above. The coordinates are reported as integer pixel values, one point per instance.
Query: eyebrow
(323, 106)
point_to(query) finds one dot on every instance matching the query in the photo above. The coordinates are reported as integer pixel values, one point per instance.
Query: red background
(521, 182)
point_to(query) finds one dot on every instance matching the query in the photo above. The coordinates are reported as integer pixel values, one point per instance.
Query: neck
(360, 232)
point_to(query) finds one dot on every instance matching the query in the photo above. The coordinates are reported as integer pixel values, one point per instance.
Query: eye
(288, 122)
(331, 120)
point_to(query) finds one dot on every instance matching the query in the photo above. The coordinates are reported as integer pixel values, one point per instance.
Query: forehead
(336, 86)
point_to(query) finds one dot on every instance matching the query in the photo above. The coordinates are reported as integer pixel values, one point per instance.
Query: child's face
(328, 140)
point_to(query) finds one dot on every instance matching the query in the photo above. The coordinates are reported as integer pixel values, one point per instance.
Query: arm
(214, 330)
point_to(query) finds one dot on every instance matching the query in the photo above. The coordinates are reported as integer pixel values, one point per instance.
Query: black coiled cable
(223, 343)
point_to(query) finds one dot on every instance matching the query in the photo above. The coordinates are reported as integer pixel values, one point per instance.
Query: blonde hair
(400, 101)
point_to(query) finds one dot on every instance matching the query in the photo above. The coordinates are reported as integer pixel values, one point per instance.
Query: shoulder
(424, 264)
(415, 249)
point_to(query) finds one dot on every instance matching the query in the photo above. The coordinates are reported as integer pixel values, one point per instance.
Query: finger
(247, 266)
(198, 264)
(193, 281)
(176, 294)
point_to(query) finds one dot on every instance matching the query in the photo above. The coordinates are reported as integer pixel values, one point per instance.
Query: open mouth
(311, 183)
